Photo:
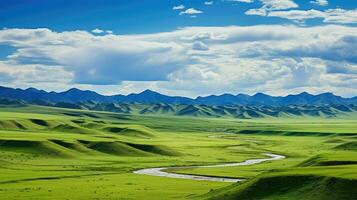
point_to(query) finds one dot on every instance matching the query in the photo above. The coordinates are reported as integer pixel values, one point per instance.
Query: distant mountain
(76, 95)
(226, 111)
(149, 96)
(224, 99)
(230, 111)
(41, 97)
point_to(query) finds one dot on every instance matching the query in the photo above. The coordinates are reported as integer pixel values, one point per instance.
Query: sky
(180, 47)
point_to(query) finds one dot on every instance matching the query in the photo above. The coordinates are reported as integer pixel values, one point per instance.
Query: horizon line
(193, 98)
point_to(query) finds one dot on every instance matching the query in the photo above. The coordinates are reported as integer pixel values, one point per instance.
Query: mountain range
(33, 95)
(152, 103)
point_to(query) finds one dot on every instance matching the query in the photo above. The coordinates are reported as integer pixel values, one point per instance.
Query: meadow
(55, 153)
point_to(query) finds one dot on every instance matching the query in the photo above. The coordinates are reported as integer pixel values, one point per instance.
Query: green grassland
(54, 153)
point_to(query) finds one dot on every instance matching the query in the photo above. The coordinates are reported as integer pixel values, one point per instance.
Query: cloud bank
(288, 9)
(191, 61)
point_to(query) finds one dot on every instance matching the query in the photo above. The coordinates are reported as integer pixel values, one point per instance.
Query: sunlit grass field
(52, 153)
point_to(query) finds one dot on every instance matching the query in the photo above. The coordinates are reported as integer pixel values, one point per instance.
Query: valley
(45, 151)
(178, 100)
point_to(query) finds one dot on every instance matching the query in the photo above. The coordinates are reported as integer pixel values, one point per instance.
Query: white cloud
(6, 77)
(278, 4)
(198, 45)
(299, 15)
(93, 59)
(271, 5)
(208, 3)
(35, 75)
(190, 61)
(190, 11)
(258, 11)
(329, 16)
(341, 16)
(97, 31)
(283, 9)
(179, 7)
(100, 31)
(320, 2)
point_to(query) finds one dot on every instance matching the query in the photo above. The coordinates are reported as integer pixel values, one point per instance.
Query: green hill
(289, 187)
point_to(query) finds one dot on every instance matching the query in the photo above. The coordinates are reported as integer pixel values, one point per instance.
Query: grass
(288, 186)
(54, 153)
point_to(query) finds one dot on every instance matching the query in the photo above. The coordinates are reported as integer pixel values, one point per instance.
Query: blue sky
(139, 16)
(180, 47)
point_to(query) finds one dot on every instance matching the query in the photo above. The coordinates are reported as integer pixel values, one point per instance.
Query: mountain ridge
(216, 111)
(75, 95)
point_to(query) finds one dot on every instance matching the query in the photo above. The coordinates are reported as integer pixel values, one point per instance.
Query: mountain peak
(148, 92)
(77, 91)
(304, 93)
(73, 90)
(31, 89)
(260, 94)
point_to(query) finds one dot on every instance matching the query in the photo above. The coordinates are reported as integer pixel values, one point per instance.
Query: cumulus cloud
(341, 16)
(258, 11)
(97, 31)
(320, 2)
(198, 45)
(35, 75)
(96, 59)
(190, 61)
(270, 6)
(100, 31)
(179, 7)
(208, 3)
(190, 11)
(342, 49)
(299, 15)
(134, 61)
(278, 4)
(285, 9)
(5, 77)
(329, 16)
(341, 68)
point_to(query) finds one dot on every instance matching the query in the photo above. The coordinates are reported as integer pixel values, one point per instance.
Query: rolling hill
(224, 111)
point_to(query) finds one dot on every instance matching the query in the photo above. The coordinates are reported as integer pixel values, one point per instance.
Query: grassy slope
(329, 172)
(290, 186)
(45, 151)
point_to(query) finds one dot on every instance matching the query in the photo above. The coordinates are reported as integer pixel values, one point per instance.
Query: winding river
(161, 171)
